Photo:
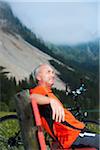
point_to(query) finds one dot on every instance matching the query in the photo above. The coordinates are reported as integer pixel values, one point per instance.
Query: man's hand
(57, 110)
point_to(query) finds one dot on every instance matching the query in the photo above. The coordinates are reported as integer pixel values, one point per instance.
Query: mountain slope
(20, 58)
(16, 54)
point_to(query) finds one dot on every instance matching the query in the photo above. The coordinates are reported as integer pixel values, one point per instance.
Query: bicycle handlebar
(75, 92)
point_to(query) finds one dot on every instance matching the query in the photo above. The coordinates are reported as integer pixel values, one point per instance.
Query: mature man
(57, 120)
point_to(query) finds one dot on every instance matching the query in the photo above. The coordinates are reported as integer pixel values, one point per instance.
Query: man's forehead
(46, 67)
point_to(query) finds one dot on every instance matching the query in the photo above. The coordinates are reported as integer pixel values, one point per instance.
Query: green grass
(2, 113)
(93, 127)
(8, 129)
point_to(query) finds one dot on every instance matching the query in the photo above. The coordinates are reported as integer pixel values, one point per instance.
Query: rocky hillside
(20, 58)
(16, 54)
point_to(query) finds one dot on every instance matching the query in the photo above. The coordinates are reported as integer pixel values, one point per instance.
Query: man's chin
(51, 84)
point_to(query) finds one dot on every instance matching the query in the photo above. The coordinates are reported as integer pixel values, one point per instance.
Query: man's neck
(47, 87)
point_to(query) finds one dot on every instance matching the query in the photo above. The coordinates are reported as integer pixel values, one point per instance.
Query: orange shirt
(65, 134)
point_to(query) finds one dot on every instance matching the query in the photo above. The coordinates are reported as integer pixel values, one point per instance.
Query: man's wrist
(50, 100)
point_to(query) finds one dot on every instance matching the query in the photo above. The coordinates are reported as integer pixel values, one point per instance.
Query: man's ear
(38, 77)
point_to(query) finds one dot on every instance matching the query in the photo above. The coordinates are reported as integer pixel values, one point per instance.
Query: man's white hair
(37, 70)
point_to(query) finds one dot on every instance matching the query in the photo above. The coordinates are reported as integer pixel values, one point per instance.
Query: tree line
(9, 87)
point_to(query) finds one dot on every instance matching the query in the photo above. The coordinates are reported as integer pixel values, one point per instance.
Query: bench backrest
(27, 120)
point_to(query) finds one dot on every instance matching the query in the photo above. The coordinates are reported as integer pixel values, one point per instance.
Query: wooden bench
(30, 124)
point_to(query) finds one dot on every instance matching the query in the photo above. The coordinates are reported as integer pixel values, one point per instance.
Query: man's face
(46, 75)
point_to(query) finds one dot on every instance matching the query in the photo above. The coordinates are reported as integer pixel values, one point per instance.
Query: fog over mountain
(67, 23)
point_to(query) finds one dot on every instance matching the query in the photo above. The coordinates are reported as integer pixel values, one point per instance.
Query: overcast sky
(60, 22)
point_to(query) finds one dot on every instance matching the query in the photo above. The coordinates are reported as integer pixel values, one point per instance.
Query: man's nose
(53, 74)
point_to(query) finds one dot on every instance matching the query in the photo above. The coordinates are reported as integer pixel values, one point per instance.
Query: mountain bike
(10, 134)
(91, 125)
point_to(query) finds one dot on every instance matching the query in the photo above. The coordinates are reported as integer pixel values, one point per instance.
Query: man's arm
(57, 108)
(40, 99)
